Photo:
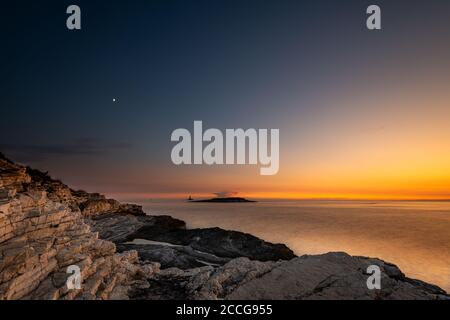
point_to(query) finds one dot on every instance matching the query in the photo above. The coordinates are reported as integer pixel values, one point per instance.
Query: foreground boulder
(332, 276)
(223, 243)
(126, 227)
(173, 245)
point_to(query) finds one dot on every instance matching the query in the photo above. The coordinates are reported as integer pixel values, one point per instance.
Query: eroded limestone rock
(41, 235)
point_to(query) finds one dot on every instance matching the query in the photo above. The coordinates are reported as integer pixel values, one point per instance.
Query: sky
(362, 114)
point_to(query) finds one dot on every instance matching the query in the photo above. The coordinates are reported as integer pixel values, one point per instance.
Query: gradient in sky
(362, 114)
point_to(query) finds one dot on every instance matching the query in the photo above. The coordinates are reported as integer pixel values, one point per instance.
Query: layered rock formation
(41, 235)
(90, 204)
(46, 227)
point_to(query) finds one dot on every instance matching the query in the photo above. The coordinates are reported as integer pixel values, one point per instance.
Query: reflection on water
(413, 235)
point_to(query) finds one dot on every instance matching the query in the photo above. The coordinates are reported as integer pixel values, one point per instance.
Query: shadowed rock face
(182, 257)
(125, 227)
(223, 243)
(190, 248)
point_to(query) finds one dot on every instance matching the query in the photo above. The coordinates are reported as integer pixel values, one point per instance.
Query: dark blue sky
(230, 63)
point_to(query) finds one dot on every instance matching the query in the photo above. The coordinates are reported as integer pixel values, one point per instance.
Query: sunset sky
(362, 114)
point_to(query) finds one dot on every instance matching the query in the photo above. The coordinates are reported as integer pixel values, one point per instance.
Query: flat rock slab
(182, 257)
(219, 242)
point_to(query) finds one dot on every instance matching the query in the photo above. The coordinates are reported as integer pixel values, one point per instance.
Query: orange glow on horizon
(284, 196)
(394, 145)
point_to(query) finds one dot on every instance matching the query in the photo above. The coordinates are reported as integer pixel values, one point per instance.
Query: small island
(224, 200)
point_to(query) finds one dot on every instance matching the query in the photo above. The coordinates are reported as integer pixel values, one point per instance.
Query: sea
(414, 235)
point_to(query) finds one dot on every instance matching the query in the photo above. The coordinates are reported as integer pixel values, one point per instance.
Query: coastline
(411, 235)
(47, 227)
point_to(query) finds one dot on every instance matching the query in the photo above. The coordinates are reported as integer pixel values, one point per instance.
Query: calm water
(413, 235)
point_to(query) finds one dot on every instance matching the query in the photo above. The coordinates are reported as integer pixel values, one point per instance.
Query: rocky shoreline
(122, 253)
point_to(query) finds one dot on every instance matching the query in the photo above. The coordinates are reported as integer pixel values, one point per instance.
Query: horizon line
(183, 196)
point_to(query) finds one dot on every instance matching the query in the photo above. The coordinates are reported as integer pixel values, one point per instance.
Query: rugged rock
(55, 189)
(90, 204)
(184, 248)
(332, 276)
(196, 246)
(41, 238)
(99, 206)
(169, 255)
(223, 243)
(121, 228)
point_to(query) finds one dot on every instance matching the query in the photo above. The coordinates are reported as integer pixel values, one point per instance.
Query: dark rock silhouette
(225, 200)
